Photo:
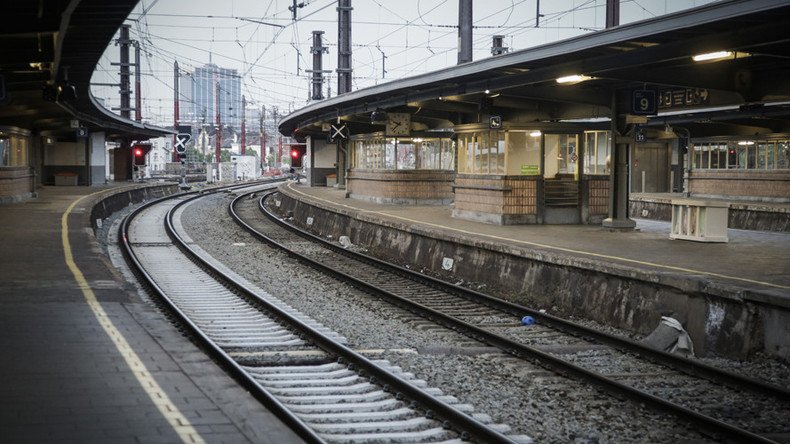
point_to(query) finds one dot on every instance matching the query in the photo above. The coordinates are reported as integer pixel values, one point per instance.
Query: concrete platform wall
(104, 206)
(721, 321)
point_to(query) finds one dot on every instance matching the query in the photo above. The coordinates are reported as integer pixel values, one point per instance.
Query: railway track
(722, 404)
(299, 369)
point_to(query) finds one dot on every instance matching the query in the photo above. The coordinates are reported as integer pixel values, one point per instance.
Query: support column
(123, 156)
(317, 79)
(138, 100)
(464, 31)
(174, 157)
(243, 125)
(218, 133)
(98, 155)
(618, 174)
(612, 13)
(344, 46)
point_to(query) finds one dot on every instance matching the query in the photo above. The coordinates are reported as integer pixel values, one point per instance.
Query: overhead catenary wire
(412, 40)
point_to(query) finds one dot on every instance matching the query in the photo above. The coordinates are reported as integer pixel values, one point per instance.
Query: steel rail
(688, 366)
(208, 345)
(468, 427)
(711, 425)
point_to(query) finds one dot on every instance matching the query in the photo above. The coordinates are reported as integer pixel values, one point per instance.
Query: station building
(52, 130)
(694, 104)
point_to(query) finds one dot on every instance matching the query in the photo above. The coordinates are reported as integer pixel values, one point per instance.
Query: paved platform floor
(751, 260)
(86, 360)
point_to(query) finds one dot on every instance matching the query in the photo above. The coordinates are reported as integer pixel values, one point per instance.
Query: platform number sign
(644, 103)
(639, 134)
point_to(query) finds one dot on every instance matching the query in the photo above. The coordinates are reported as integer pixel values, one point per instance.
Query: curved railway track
(725, 405)
(304, 373)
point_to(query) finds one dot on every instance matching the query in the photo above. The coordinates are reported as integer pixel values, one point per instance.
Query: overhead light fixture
(575, 78)
(717, 55)
(417, 140)
(488, 91)
(746, 143)
(535, 133)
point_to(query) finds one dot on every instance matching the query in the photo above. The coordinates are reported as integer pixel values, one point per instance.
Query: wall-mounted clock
(398, 124)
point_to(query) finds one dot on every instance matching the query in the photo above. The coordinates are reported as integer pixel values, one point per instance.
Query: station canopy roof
(58, 43)
(745, 91)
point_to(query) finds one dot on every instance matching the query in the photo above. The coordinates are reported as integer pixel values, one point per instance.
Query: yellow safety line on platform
(177, 420)
(552, 247)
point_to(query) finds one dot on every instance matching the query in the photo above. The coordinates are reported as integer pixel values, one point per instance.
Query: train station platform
(85, 358)
(734, 297)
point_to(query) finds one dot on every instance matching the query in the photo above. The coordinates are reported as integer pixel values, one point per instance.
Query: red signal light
(138, 152)
(294, 154)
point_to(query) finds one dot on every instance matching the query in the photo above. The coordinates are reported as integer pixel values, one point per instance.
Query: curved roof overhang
(653, 53)
(53, 42)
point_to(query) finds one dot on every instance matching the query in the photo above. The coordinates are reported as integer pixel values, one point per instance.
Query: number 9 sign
(644, 103)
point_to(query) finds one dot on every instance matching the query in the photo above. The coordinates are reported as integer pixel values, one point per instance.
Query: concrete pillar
(97, 159)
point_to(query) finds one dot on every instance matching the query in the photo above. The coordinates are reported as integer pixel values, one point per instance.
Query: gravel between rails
(530, 399)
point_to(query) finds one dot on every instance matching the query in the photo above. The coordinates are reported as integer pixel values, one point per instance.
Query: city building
(198, 96)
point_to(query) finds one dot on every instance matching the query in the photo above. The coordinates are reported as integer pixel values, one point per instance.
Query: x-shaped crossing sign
(338, 131)
(181, 142)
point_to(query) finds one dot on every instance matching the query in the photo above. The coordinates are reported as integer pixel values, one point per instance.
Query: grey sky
(416, 36)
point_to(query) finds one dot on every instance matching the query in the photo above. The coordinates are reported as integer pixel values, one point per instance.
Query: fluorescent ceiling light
(576, 78)
(745, 142)
(535, 133)
(713, 56)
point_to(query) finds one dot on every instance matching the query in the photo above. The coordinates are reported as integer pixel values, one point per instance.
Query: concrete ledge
(103, 205)
(722, 319)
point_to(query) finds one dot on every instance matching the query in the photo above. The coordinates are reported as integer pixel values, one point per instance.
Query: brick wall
(741, 184)
(401, 186)
(598, 196)
(505, 199)
(16, 184)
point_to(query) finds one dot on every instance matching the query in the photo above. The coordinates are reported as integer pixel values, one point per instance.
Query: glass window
(388, 148)
(478, 155)
(482, 152)
(561, 154)
(764, 155)
(5, 152)
(783, 155)
(13, 150)
(597, 145)
(407, 157)
(751, 156)
(523, 153)
(381, 153)
(761, 155)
